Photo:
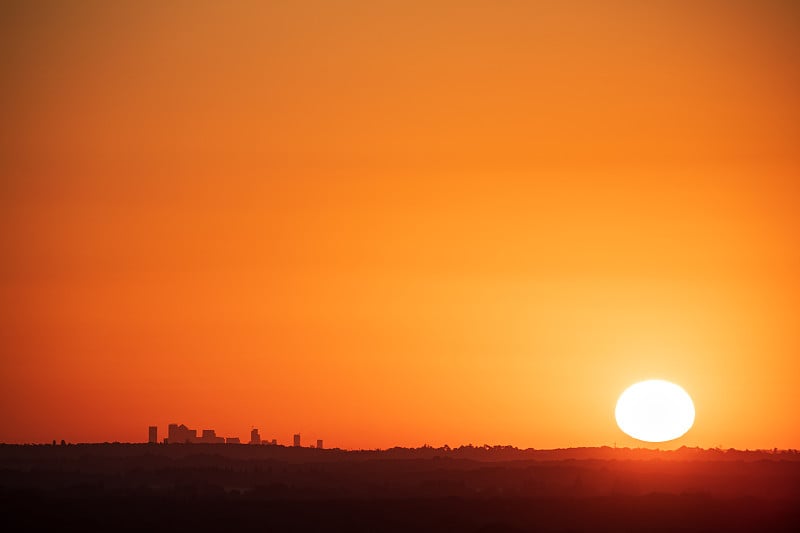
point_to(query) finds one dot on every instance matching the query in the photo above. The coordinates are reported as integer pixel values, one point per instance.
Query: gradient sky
(398, 223)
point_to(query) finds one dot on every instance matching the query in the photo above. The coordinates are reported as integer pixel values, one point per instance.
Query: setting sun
(655, 411)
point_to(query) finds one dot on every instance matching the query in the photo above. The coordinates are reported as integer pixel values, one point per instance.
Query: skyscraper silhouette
(179, 434)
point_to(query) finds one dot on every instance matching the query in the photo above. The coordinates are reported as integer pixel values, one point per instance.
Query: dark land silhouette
(207, 487)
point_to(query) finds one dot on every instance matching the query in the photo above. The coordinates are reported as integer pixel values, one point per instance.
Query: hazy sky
(397, 223)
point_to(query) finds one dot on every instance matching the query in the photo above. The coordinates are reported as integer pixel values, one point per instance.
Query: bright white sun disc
(655, 411)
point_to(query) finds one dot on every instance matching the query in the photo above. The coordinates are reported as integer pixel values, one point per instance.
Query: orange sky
(388, 223)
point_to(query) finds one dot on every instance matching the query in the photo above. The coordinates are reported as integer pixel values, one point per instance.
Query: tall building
(297, 440)
(319, 444)
(152, 435)
(210, 436)
(180, 434)
(255, 438)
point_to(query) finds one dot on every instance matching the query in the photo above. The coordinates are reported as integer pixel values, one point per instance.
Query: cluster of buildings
(180, 434)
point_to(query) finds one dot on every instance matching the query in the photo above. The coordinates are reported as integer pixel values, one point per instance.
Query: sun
(655, 411)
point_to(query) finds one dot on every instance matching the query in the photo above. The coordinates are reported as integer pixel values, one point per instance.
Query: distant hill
(207, 487)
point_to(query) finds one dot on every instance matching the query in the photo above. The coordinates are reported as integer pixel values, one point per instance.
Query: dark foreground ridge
(198, 487)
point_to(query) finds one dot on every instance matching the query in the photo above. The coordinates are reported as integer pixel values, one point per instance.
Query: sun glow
(655, 411)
